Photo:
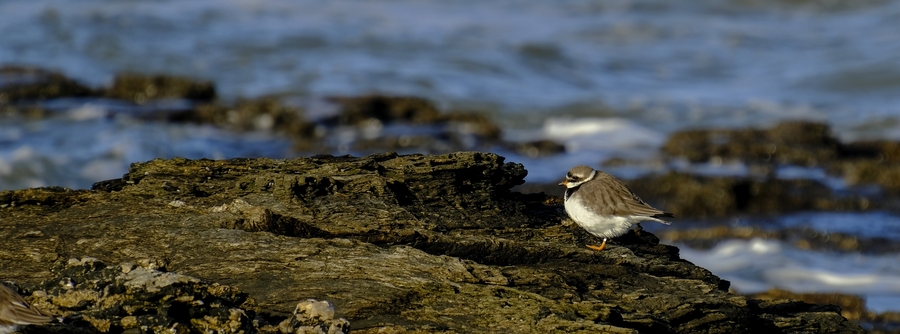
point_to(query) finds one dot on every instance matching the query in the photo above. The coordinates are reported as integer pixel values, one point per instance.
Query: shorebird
(15, 312)
(604, 206)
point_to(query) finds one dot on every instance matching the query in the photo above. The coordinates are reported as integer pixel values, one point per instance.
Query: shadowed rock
(29, 83)
(801, 143)
(396, 243)
(87, 296)
(794, 143)
(140, 88)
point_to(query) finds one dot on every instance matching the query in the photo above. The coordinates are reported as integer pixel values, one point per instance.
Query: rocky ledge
(408, 244)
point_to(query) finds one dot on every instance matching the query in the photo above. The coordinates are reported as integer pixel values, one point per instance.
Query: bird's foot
(598, 248)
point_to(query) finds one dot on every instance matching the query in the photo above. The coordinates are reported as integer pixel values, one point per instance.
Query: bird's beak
(564, 183)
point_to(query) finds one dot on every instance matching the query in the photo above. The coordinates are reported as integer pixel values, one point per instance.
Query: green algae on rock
(397, 243)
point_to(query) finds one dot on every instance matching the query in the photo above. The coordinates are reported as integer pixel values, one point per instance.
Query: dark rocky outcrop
(688, 195)
(360, 109)
(141, 88)
(261, 114)
(794, 143)
(799, 143)
(19, 83)
(538, 148)
(363, 110)
(397, 244)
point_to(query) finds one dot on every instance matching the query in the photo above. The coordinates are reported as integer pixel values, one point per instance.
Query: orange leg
(598, 248)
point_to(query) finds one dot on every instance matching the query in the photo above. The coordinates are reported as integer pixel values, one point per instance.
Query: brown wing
(15, 310)
(617, 199)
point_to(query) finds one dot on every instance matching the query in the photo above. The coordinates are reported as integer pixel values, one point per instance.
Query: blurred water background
(607, 79)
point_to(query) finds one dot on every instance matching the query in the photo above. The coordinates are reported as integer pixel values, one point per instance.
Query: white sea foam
(602, 134)
(756, 265)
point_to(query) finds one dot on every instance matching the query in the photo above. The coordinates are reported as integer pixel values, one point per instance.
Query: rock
(395, 243)
(538, 148)
(688, 195)
(262, 114)
(29, 83)
(800, 143)
(91, 297)
(358, 110)
(852, 307)
(314, 317)
(141, 88)
(797, 143)
(448, 132)
(372, 123)
(800, 317)
(877, 171)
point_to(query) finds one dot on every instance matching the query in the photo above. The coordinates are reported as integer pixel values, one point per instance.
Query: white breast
(598, 225)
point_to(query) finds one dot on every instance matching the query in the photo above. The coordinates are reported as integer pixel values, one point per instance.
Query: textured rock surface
(396, 243)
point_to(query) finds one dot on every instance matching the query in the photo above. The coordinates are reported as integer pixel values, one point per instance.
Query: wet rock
(141, 88)
(357, 110)
(418, 143)
(800, 317)
(395, 243)
(263, 114)
(795, 143)
(28, 83)
(539, 148)
(688, 195)
(448, 132)
(884, 174)
(255, 115)
(852, 307)
(878, 150)
(799, 143)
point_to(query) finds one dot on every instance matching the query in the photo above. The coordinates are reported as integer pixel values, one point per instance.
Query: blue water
(667, 65)
(758, 265)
